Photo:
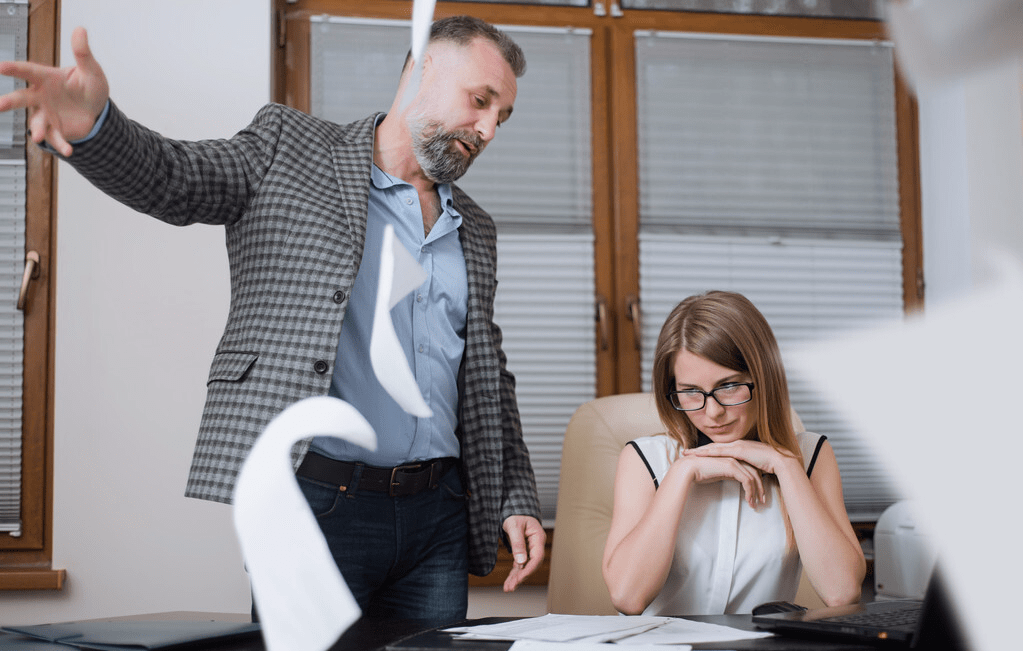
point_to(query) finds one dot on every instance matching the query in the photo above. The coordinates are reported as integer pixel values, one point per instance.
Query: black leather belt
(396, 482)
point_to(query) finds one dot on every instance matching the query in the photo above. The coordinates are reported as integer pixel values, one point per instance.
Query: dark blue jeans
(402, 557)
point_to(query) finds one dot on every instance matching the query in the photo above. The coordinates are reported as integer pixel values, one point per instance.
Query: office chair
(594, 438)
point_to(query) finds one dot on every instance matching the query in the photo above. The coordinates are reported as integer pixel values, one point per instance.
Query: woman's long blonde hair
(727, 329)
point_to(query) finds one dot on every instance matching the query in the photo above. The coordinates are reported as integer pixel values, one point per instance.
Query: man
(304, 203)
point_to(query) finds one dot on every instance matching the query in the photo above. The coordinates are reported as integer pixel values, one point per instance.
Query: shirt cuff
(96, 127)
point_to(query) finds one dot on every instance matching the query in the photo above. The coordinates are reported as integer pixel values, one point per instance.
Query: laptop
(908, 623)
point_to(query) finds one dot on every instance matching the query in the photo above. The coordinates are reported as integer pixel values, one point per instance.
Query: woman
(718, 515)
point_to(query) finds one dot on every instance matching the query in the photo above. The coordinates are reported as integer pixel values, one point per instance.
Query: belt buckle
(391, 485)
(394, 484)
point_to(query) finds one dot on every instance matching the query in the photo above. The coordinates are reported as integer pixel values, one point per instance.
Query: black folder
(130, 635)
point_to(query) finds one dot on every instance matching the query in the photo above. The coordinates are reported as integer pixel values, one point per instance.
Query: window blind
(13, 45)
(535, 180)
(768, 167)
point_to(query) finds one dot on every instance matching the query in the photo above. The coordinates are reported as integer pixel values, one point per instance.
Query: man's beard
(437, 153)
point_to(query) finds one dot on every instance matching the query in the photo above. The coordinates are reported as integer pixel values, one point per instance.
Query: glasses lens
(732, 394)
(687, 400)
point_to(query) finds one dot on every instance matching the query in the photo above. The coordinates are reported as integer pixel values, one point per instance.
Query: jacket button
(320, 366)
(339, 296)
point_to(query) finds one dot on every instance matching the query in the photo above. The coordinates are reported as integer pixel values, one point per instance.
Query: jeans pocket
(322, 497)
(451, 485)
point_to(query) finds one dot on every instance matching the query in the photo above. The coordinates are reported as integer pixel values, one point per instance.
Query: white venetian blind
(535, 181)
(13, 44)
(768, 167)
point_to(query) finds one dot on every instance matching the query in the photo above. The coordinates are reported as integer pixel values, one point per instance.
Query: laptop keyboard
(901, 617)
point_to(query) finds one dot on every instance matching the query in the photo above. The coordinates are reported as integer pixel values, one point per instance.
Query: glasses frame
(710, 394)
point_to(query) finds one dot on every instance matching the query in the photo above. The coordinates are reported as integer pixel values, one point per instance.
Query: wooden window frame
(616, 199)
(25, 561)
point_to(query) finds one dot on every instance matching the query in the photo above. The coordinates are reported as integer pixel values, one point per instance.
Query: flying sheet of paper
(302, 599)
(399, 275)
(422, 19)
(938, 400)
(942, 40)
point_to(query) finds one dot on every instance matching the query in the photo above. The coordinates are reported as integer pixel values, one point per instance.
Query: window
(817, 247)
(25, 538)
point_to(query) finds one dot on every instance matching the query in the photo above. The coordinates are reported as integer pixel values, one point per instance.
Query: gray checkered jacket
(292, 192)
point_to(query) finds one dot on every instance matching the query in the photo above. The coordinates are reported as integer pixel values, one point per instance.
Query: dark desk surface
(378, 635)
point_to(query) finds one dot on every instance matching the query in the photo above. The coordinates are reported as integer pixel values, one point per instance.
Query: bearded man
(304, 203)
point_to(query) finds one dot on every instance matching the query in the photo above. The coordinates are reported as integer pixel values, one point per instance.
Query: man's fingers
(517, 543)
(32, 73)
(18, 99)
(83, 55)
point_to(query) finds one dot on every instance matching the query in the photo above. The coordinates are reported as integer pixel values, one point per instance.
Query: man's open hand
(63, 103)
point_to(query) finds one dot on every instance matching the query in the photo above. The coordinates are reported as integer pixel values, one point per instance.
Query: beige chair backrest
(594, 438)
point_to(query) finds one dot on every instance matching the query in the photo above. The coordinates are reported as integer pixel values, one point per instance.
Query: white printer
(903, 556)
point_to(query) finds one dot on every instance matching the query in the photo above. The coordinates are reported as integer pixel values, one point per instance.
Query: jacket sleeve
(520, 495)
(176, 181)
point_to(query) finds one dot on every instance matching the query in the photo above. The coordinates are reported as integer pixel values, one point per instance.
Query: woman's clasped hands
(744, 461)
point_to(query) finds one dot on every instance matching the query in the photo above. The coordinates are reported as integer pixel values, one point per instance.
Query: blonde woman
(722, 512)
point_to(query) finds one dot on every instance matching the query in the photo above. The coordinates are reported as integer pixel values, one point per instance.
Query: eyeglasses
(727, 395)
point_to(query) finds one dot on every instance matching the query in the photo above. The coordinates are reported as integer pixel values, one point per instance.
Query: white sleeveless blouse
(728, 557)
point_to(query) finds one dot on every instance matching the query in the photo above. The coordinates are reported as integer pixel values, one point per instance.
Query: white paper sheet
(536, 645)
(942, 40)
(303, 601)
(600, 629)
(399, 275)
(422, 19)
(938, 399)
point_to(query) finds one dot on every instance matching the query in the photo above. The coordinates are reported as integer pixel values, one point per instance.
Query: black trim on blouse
(816, 451)
(646, 463)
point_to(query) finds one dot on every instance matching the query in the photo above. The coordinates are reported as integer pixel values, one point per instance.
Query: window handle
(31, 273)
(632, 312)
(602, 323)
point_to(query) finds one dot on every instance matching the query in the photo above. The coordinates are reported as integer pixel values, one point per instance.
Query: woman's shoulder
(658, 442)
(657, 452)
(809, 445)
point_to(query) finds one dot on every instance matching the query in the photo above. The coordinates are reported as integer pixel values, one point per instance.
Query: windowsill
(32, 579)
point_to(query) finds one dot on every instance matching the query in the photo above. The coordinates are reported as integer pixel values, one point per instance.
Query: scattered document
(422, 20)
(939, 41)
(634, 631)
(399, 275)
(303, 601)
(536, 645)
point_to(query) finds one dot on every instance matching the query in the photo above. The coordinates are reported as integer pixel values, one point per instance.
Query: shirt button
(320, 366)
(408, 200)
(339, 297)
(419, 298)
(421, 347)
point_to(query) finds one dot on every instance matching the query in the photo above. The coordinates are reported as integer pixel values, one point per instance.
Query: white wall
(140, 307)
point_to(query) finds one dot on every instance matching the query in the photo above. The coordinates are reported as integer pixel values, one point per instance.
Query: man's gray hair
(463, 30)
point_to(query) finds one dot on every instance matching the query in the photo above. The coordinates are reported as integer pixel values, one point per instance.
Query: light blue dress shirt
(429, 322)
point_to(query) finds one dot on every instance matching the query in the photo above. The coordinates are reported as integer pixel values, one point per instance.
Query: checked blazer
(292, 192)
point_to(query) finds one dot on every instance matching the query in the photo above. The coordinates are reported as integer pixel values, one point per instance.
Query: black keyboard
(902, 617)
